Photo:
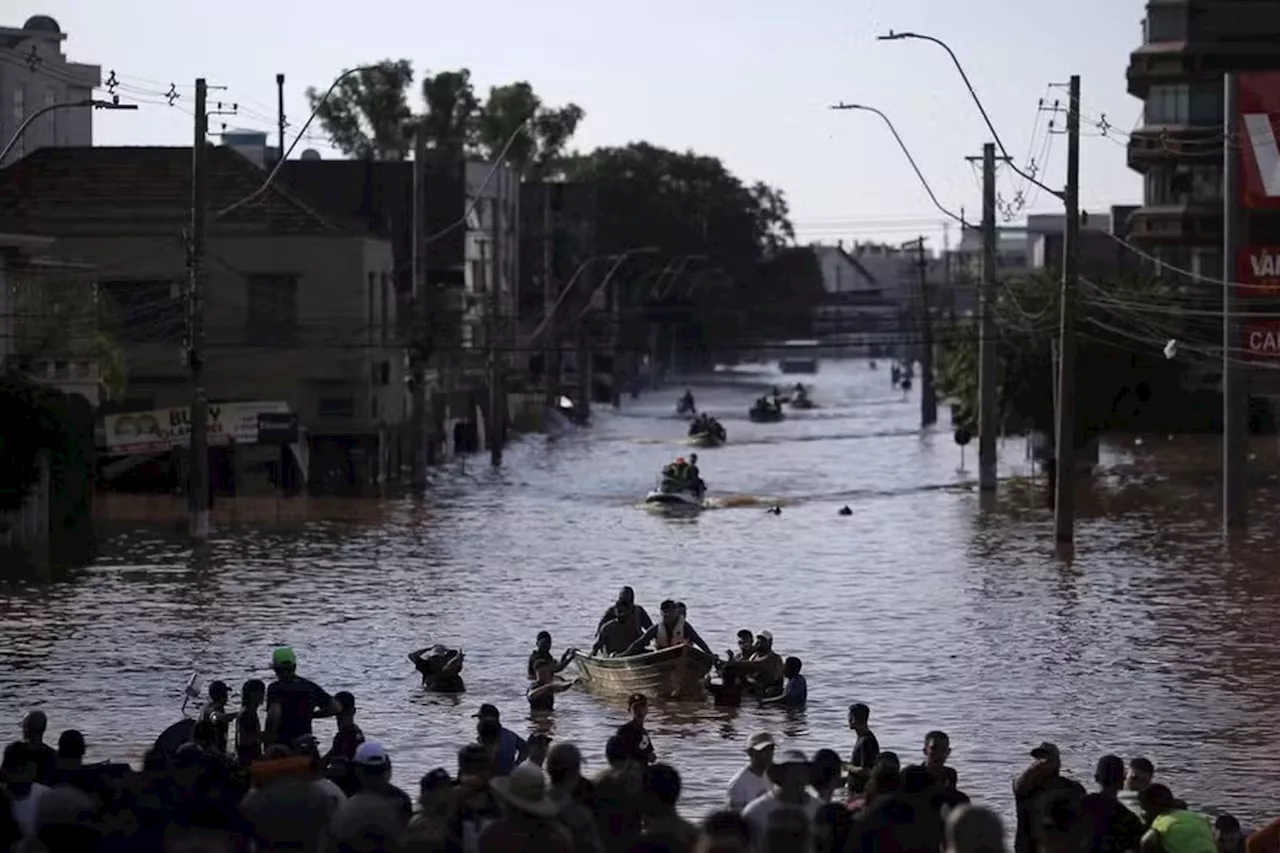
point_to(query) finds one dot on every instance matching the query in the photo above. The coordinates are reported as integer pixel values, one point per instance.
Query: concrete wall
(339, 343)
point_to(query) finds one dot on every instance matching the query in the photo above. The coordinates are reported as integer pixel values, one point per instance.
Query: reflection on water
(1156, 640)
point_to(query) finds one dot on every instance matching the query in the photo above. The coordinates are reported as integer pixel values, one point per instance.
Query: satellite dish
(311, 154)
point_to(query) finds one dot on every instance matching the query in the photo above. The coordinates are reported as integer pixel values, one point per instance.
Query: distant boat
(799, 357)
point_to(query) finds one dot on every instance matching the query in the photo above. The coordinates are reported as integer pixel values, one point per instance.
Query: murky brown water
(1155, 641)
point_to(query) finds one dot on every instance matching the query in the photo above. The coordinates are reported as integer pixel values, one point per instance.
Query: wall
(334, 356)
(492, 245)
(53, 80)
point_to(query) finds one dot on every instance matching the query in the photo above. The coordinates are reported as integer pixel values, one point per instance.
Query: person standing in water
(248, 725)
(293, 702)
(542, 653)
(542, 693)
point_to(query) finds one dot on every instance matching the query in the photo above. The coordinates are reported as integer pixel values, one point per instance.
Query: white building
(35, 73)
(859, 317)
(492, 248)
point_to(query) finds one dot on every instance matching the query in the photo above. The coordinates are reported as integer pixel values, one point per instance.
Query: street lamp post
(90, 103)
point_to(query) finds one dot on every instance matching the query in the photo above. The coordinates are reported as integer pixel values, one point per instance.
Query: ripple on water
(936, 612)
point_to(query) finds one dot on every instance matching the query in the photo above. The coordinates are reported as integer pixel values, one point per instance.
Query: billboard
(1262, 340)
(1258, 272)
(161, 430)
(1259, 101)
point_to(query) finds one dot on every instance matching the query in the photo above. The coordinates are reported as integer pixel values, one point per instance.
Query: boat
(706, 439)
(801, 401)
(674, 495)
(799, 357)
(766, 414)
(667, 673)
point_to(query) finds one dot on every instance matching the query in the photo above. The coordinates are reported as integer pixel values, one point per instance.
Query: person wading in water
(542, 693)
(293, 702)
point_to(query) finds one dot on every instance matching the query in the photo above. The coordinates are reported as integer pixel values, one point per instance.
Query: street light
(892, 36)
(88, 102)
(618, 259)
(906, 151)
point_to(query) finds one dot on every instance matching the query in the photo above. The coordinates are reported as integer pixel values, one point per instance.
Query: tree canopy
(371, 115)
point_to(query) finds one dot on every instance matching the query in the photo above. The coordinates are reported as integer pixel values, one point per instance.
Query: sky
(748, 81)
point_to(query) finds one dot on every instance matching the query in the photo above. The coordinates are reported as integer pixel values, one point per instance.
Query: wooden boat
(667, 673)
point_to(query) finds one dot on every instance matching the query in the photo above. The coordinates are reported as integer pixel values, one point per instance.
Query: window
(1206, 183)
(1166, 23)
(388, 308)
(272, 315)
(1206, 104)
(19, 116)
(1168, 104)
(337, 408)
(143, 311)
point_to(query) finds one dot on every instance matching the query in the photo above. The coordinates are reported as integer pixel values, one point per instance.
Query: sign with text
(1258, 271)
(1259, 150)
(1262, 339)
(160, 430)
(277, 428)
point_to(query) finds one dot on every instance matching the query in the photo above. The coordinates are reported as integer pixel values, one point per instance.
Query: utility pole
(496, 415)
(1064, 504)
(988, 415)
(928, 396)
(415, 328)
(1235, 381)
(198, 491)
(280, 112)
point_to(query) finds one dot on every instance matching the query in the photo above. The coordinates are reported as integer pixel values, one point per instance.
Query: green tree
(367, 115)
(538, 153)
(1124, 381)
(451, 107)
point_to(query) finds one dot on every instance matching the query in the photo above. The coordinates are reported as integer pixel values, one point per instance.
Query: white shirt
(757, 814)
(745, 787)
(25, 810)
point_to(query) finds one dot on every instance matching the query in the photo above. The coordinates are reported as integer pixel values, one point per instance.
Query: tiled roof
(147, 186)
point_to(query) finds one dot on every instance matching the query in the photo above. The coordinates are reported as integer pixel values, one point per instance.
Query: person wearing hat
(528, 813)
(1035, 790)
(293, 701)
(752, 780)
(372, 766)
(790, 774)
(511, 748)
(763, 670)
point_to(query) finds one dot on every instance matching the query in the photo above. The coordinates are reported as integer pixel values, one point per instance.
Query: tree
(537, 153)
(1122, 382)
(450, 117)
(367, 115)
(65, 320)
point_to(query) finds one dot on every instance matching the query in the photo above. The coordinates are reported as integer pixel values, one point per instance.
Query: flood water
(937, 612)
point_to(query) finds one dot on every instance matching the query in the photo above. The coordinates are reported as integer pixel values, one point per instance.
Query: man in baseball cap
(752, 781)
(1035, 788)
(293, 702)
(790, 775)
(512, 748)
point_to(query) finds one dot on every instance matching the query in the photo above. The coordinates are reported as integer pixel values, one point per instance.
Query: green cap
(282, 656)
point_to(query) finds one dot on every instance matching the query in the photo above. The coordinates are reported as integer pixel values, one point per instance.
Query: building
(859, 317)
(1177, 73)
(492, 254)
(299, 306)
(34, 74)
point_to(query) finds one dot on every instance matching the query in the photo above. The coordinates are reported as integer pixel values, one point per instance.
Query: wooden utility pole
(416, 326)
(988, 402)
(1064, 504)
(198, 491)
(928, 395)
(1235, 381)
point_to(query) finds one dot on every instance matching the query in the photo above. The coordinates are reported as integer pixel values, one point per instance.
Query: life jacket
(665, 639)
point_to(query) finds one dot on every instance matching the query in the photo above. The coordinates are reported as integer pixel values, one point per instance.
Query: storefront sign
(160, 430)
(1258, 272)
(1259, 100)
(1262, 339)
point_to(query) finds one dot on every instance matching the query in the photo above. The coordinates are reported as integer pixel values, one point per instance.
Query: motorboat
(668, 673)
(766, 413)
(801, 401)
(707, 439)
(676, 495)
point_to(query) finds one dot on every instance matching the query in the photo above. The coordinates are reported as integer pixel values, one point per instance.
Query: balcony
(1178, 224)
(1156, 145)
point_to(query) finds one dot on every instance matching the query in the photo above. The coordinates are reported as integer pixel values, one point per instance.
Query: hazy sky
(748, 81)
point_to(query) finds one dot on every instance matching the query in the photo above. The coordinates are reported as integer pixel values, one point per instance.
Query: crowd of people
(268, 787)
